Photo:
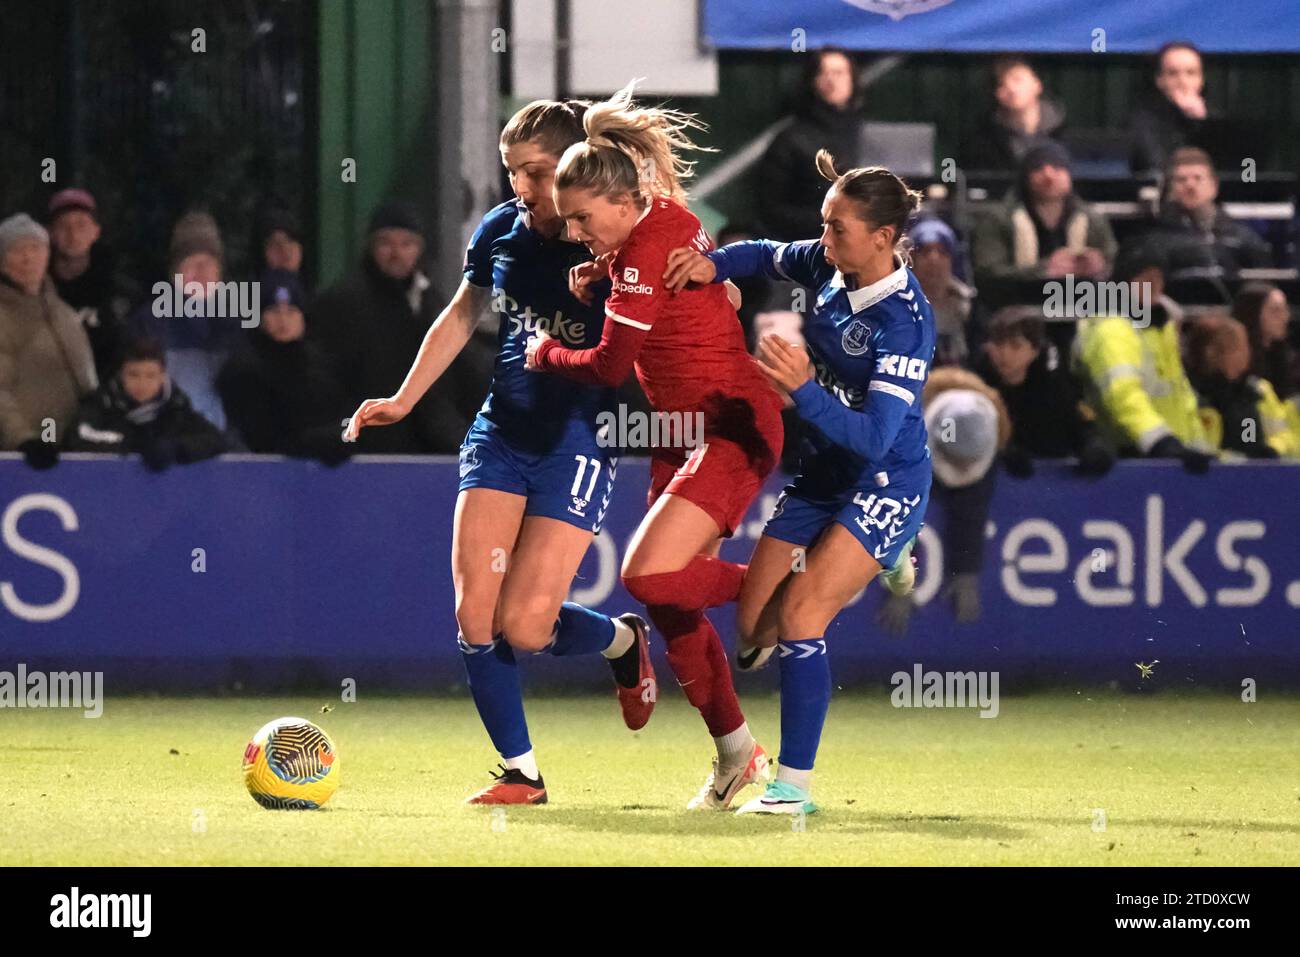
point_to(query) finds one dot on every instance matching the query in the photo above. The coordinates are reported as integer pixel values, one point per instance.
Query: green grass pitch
(1193, 779)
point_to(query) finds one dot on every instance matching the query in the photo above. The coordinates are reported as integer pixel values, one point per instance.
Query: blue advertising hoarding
(261, 572)
(1032, 26)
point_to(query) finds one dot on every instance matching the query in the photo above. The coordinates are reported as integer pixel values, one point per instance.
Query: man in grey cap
(46, 364)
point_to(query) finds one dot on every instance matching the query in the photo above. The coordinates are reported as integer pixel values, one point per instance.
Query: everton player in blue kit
(858, 502)
(536, 475)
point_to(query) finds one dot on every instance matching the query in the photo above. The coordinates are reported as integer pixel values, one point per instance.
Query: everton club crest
(897, 9)
(856, 338)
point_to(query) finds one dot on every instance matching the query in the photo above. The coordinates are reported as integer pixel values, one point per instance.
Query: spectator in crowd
(279, 243)
(280, 394)
(1134, 371)
(373, 322)
(1044, 229)
(934, 249)
(1174, 114)
(1022, 119)
(84, 271)
(968, 426)
(790, 191)
(1042, 398)
(1262, 308)
(198, 342)
(140, 410)
(1246, 417)
(1197, 235)
(46, 363)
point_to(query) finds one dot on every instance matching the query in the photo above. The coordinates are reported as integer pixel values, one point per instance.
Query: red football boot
(638, 701)
(510, 787)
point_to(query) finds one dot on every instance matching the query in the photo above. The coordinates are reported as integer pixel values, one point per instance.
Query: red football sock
(724, 714)
(705, 582)
(698, 661)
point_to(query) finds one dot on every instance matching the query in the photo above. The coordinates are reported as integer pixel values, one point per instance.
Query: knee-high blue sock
(581, 631)
(494, 683)
(805, 696)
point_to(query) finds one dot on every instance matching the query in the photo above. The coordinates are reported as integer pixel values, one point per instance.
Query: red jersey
(688, 347)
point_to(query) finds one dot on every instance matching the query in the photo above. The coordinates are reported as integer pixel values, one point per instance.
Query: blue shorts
(883, 520)
(573, 486)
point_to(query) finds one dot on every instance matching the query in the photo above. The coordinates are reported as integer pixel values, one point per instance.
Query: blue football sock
(494, 683)
(805, 696)
(581, 631)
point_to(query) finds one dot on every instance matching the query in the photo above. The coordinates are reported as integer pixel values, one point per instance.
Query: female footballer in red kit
(620, 193)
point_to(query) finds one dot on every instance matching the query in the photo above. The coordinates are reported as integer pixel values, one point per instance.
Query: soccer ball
(291, 765)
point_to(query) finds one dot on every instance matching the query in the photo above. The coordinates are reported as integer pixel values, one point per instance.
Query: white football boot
(725, 783)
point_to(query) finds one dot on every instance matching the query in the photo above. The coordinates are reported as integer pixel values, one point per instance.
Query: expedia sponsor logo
(631, 283)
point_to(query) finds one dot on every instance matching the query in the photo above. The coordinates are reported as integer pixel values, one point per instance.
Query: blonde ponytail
(631, 149)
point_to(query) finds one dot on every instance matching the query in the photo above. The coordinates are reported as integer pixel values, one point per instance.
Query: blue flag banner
(260, 572)
(988, 26)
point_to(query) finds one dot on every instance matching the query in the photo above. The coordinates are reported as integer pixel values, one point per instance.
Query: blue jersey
(528, 275)
(871, 348)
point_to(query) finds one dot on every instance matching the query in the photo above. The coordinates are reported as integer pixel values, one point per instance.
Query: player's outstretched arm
(442, 343)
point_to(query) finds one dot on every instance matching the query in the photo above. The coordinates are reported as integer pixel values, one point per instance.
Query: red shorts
(724, 473)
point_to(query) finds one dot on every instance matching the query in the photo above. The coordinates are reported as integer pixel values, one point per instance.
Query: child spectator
(1247, 416)
(141, 410)
(1045, 404)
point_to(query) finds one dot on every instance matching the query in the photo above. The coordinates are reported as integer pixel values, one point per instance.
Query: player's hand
(530, 350)
(583, 275)
(786, 366)
(375, 412)
(686, 265)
